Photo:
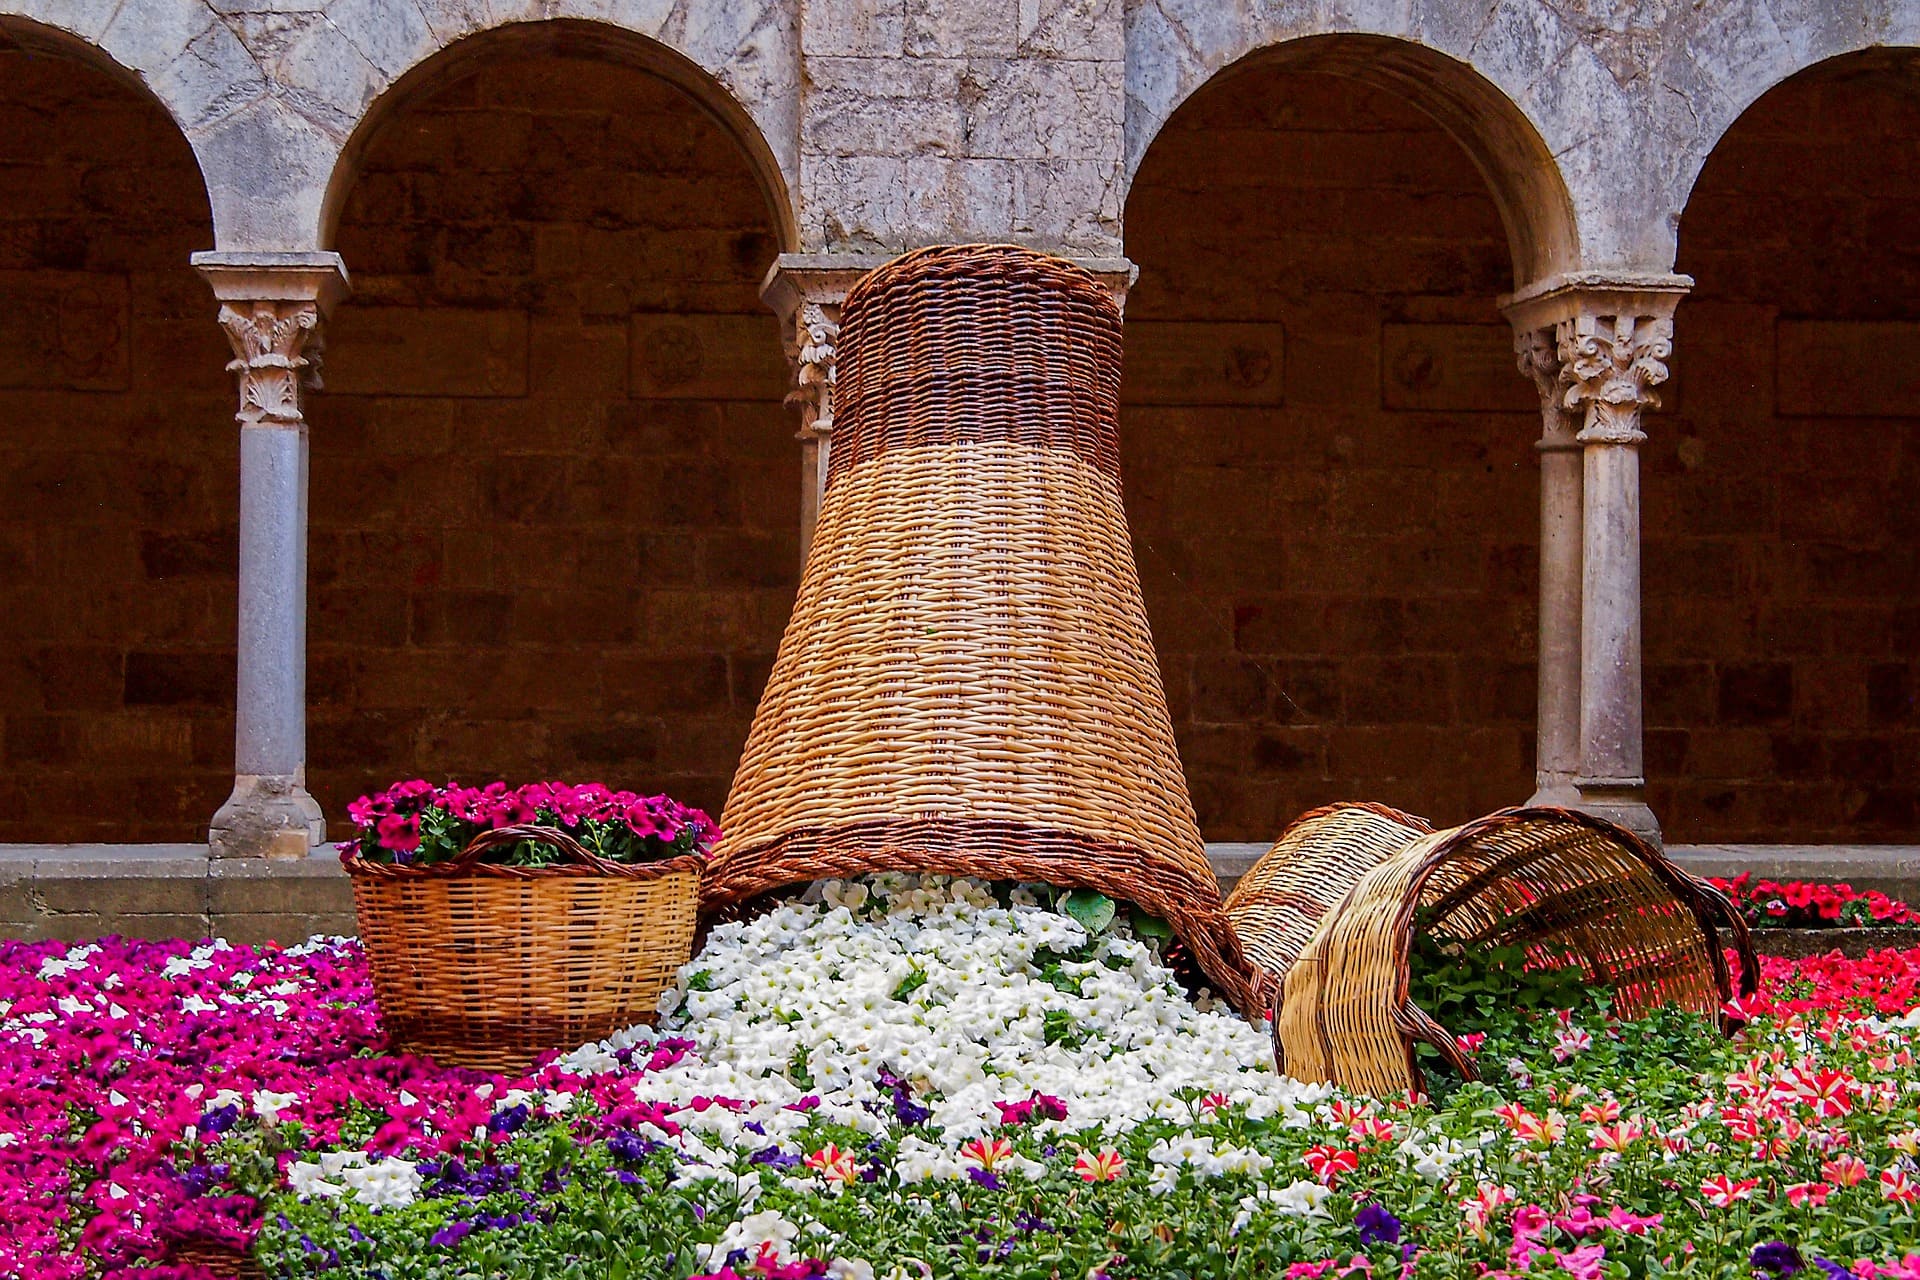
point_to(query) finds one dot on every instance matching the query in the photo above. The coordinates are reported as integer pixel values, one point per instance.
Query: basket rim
(1704, 902)
(359, 868)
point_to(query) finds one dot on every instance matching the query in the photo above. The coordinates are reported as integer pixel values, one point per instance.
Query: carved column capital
(272, 307)
(1612, 365)
(268, 338)
(1611, 334)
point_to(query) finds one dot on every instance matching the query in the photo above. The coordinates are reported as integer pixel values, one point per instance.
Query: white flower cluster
(381, 1184)
(931, 979)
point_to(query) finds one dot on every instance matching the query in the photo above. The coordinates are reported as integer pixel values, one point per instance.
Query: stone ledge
(176, 890)
(168, 891)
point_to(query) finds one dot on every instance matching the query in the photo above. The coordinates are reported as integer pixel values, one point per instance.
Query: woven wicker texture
(1571, 888)
(1278, 904)
(967, 684)
(490, 966)
(218, 1259)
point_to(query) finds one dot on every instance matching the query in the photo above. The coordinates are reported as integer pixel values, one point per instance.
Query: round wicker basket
(1278, 904)
(967, 684)
(489, 966)
(1569, 887)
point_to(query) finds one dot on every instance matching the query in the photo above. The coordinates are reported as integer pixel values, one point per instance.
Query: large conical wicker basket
(967, 685)
(1571, 888)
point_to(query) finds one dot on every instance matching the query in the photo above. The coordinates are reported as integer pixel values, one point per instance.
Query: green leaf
(1146, 926)
(1094, 910)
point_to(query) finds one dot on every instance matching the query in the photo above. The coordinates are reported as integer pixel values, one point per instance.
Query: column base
(267, 817)
(1556, 791)
(1621, 801)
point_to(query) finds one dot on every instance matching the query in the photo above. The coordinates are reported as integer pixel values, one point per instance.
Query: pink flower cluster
(126, 1069)
(417, 822)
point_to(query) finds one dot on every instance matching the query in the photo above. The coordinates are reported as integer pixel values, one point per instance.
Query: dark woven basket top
(974, 343)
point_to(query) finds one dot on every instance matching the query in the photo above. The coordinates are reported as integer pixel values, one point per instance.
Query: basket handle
(497, 836)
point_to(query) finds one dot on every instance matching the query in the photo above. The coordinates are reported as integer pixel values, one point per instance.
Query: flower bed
(1804, 904)
(918, 1079)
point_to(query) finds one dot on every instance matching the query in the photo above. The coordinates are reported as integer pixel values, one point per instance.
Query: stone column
(805, 290)
(1557, 718)
(1612, 337)
(271, 308)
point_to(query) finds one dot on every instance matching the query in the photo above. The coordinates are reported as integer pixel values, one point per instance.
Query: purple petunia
(1376, 1225)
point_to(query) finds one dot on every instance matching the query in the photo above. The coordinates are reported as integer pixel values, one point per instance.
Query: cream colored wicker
(1278, 904)
(1570, 887)
(967, 684)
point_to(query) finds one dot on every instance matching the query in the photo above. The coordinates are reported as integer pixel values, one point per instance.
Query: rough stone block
(409, 351)
(255, 928)
(179, 679)
(64, 330)
(707, 357)
(1205, 363)
(230, 897)
(111, 886)
(1848, 368)
(1755, 693)
(1452, 367)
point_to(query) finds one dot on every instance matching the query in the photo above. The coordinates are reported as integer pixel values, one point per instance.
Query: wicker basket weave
(1278, 904)
(1570, 887)
(490, 966)
(217, 1258)
(967, 684)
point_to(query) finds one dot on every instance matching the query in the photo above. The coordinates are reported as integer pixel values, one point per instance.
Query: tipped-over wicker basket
(1569, 887)
(967, 684)
(1278, 904)
(489, 966)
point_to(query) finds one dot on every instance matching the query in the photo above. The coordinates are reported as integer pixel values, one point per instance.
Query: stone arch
(715, 87)
(555, 529)
(1517, 164)
(1783, 546)
(117, 470)
(1761, 49)
(1328, 454)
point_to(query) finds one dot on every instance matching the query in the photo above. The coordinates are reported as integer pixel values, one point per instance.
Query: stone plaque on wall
(1847, 368)
(1202, 363)
(426, 351)
(63, 331)
(1465, 368)
(707, 357)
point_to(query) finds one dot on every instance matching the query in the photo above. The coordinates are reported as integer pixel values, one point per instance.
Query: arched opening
(118, 466)
(555, 526)
(1328, 451)
(1783, 538)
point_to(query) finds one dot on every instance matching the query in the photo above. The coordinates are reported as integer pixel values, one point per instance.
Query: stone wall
(1783, 533)
(118, 469)
(1329, 458)
(555, 501)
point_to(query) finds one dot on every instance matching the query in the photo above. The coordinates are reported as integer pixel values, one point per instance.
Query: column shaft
(1610, 680)
(1557, 714)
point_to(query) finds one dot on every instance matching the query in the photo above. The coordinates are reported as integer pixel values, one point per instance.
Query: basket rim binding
(1704, 902)
(464, 864)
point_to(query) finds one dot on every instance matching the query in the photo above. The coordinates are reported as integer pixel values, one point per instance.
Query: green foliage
(1093, 910)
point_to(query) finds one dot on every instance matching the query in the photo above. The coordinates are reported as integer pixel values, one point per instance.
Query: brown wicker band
(465, 863)
(990, 851)
(969, 344)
